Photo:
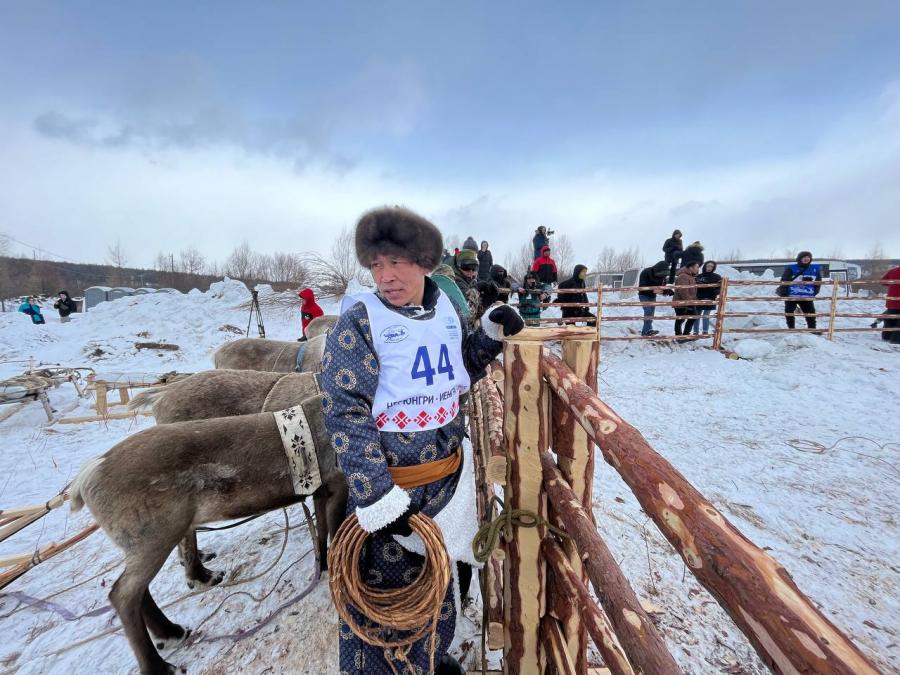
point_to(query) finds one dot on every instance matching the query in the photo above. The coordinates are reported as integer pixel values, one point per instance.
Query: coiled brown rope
(415, 609)
(488, 536)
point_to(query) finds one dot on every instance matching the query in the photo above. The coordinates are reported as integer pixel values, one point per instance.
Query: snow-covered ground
(764, 438)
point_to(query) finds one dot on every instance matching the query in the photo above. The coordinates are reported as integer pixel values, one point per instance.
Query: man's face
(805, 260)
(400, 281)
(469, 269)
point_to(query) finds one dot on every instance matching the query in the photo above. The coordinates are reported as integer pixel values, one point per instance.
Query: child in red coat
(309, 310)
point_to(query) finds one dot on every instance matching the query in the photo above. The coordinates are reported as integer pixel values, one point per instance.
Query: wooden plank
(525, 432)
(123, 395)
(788, 632)
(100, 394)
(125, 414)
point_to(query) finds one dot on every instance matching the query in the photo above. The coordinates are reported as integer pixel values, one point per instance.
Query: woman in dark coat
(485, 260)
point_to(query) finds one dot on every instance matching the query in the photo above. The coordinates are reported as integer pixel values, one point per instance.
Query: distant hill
(24, 276)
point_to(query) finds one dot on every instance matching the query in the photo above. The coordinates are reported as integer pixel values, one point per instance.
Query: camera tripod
(254, 308)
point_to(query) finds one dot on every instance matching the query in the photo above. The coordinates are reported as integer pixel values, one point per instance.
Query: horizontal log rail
(788, 632)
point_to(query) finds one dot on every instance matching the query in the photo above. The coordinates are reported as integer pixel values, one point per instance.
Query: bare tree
(518, 263)
(562, 251)
(192, 261)
(287, 268)
(115, 254)
(239, 264)
(606, 260)
(329, 277)
(161, 263)
(5, 244)
(629, 259)
(261, 266)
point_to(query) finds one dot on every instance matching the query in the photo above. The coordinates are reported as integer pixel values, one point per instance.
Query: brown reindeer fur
(153, 489)
(273, 356)
(321, 325)
(223, 393)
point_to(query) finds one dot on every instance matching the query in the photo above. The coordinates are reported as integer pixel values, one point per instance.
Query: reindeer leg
(165, 633)
(335, 509)
(196, 573)
(127, 597)
(320, 503)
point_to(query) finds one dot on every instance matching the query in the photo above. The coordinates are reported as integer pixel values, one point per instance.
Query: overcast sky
(760, 126)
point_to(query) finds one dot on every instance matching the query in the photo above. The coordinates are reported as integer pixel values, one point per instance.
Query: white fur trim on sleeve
(383, 512)
(492, 330)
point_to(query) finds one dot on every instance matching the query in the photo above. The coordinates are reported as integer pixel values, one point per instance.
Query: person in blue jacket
(32, 309)
(801, 292)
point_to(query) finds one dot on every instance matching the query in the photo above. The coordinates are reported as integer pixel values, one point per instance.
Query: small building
(119, 292)
(144, 291)
(94, 295)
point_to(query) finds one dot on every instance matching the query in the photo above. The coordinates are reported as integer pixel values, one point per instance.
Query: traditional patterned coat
(349, 383)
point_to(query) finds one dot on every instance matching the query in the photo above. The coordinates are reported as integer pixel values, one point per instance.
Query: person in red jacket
(545, 268)
(892, 307)
(309, 310)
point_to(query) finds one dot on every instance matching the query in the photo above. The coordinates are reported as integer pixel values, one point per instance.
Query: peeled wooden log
(643, 644)
(788, 632)
(526, 430)
(496, 461)
(575, 450)
(595, 619)
(492, 572)
(555, 644)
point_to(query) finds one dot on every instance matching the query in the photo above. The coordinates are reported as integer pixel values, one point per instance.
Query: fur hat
(393, 230)
(802, 255)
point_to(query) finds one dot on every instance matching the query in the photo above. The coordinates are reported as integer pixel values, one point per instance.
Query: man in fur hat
(394, 367)
(465, 272)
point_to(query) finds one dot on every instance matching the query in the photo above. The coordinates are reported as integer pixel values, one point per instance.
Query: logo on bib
(396, 333)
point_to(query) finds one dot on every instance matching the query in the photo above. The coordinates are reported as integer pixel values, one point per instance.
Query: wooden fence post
(834, 298)
(524, 572)
(720, 314)
(575, 450)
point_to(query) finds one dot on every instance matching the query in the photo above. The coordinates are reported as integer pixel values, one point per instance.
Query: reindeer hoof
(164, 644)
(206, 556)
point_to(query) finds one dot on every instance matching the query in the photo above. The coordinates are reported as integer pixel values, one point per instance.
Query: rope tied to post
(413, 610)
(488, 536)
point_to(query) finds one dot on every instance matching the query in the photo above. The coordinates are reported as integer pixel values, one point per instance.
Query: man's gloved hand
(401, 526)
(501, 322)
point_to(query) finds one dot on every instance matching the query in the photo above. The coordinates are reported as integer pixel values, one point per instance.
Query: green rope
(488, 536)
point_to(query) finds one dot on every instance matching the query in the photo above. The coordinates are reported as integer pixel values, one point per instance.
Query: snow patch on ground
(744, 432)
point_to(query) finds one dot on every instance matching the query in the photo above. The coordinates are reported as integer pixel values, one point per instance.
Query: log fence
(723, 309)
(551, 403)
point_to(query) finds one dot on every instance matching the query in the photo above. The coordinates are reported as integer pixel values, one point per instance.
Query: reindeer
(224, 393)
(153, 489)
(277, 356)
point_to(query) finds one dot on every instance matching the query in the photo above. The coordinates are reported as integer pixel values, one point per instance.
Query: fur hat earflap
(394, 230)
